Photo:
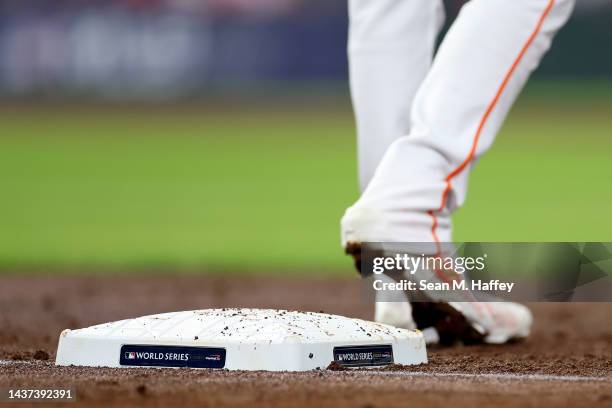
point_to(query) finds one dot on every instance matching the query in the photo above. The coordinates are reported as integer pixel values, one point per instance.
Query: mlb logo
(130, 355)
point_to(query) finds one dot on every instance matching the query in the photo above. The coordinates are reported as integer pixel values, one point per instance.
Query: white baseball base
(241, 339)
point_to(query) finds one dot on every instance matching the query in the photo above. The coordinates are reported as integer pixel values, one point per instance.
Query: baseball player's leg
(479, 70)
(391, 46)
(481, 66)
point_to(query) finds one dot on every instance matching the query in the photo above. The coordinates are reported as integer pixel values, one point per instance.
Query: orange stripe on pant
(483, 121)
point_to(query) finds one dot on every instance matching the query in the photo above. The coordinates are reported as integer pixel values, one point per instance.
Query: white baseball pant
(423, 121)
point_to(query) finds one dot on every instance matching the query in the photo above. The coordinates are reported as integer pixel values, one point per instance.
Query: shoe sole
(451, 325)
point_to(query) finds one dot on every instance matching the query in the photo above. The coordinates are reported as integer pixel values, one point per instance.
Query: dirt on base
(566, 362)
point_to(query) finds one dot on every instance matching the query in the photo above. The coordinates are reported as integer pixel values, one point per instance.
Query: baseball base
(241, 339)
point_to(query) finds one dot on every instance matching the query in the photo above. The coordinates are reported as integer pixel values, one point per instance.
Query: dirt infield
(566, 362)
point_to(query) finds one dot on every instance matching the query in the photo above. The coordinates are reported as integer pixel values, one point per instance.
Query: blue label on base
(172, 356)
(363, 356)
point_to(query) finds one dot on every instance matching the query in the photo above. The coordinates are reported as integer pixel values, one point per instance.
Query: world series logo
(172, 356)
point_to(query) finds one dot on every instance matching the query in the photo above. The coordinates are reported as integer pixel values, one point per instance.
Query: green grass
(219, 188)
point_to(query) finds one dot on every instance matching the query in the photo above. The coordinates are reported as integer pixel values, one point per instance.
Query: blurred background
(217, 136)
